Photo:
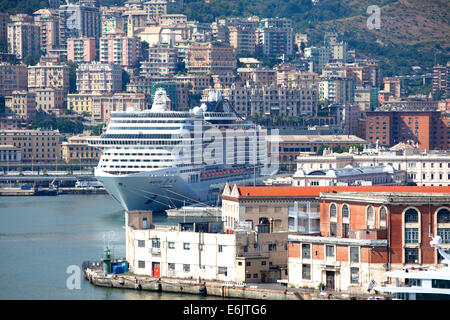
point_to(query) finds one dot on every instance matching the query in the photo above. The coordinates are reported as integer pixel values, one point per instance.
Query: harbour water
(42, 236)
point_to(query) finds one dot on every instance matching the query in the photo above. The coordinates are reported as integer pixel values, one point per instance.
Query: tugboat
(52, 190)
(421, 283)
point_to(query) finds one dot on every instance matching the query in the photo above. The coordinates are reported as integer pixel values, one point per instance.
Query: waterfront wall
(210, 288)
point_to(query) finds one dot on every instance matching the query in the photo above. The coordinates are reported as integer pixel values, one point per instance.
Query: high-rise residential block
(23, 39)
(162, 60)
(48, 21)
(119, 49)
(83, 49)
(243, 39)
(78, 20)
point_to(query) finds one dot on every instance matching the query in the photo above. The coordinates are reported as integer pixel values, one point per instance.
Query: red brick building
(363, 234)
(428, 129)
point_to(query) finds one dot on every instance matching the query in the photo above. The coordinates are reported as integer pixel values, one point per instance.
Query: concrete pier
(211, 288)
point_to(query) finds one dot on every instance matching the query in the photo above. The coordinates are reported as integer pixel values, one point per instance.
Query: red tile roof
(295, 191)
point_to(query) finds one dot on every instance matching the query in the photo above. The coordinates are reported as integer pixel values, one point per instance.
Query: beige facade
(77, 150)
(162, 60)
(50, 100)
(48, 75)
(210, 58)
(104, 105)
(22, 103)
(243, 39)
(48, 21)
(36, 145)
(99, 78)
(272, 100)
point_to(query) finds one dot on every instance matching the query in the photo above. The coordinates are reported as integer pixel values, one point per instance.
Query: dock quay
(32, 191)
(210, 288)
(195, 211)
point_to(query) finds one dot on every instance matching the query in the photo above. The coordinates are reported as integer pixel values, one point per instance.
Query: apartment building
(213, 58)
(36, 145)
(441, 80)
(22, 103)
(162, 60)
(78, 20)
(273, 99)
(119, 49)
(155, 9)
(291, 146)
(365, 234)
(243, 39)
(13, 77)
(257, 77)
(4, 20)
(81, 50)
(98, 77)
(48, 75)
(77, 150)
(339, 90)
(422, 168)
(429, 129)
(23, 39)
(50, 100)
(47, 20)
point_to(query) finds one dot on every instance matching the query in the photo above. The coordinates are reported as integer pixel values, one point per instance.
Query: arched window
(370, 216)
(345, 211)
(383, 217)
(411, 215)
(443, 216)
(333, 210)
(443, 230)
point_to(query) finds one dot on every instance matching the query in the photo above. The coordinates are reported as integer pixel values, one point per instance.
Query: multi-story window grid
(306, 251)
(354, 275)
(354, 254)
(383, 217)
(443, 225)
(411, 233)
(306, 271)
(333, 220)
(370, 217)
(345, 216)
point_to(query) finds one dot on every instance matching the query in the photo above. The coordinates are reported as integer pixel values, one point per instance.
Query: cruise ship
(421, 283)
(158, 159)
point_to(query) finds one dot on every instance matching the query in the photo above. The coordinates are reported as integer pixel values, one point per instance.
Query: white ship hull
(160, 190)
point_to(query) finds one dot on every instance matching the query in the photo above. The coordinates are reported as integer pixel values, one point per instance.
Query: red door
(156, 269)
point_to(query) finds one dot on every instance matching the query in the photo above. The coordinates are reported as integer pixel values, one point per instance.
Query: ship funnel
(159, 101)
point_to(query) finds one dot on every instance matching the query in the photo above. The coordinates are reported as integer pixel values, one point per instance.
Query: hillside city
(373, 154)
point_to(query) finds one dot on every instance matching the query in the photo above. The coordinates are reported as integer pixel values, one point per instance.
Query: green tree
(72, 76)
